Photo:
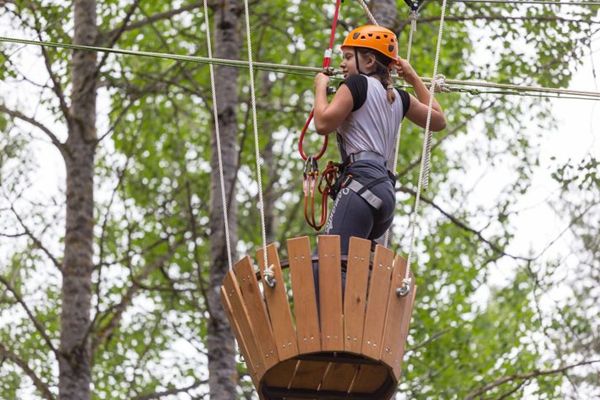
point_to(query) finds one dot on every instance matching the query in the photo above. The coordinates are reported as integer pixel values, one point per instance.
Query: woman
(366, 112)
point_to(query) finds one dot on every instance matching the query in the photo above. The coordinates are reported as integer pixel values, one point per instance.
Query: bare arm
(419, 106)
(329, 116)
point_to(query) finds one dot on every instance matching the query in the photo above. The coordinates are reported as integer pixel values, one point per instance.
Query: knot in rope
(405, 288)
(269, 275)
(413, 17)
(439, 84)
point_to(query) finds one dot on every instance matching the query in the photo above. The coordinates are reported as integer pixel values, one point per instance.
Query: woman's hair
(382, 71)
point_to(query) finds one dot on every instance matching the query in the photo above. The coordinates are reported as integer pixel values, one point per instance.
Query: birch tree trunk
(75, 353)
(221, 349)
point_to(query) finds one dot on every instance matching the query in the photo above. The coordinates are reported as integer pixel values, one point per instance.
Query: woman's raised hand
(405, 71)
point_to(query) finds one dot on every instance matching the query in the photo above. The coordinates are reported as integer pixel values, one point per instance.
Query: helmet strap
(356, 60)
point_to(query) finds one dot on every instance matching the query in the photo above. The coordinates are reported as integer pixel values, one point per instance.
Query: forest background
(110, 257)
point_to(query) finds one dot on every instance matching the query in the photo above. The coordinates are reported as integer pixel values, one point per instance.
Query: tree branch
(13, 235)
(36, 323)
(56, 86)
(464, 226)
(37, 382)
(117, 34)
(527, 376)
(448, 133)
(120, 308)
(36, 241)
(158, 395)
(149, 20)
(36, 123)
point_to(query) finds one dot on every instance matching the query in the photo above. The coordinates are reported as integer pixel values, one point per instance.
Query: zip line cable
(540, 2)
(291, 69)
(218, 137)
(168, 56)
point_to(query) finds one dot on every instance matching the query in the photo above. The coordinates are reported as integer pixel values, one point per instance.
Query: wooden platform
(347, 342)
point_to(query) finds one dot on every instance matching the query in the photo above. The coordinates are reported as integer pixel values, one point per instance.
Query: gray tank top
(374, 126)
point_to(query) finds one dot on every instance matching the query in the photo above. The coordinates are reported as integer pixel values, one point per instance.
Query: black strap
(372, 184)
(413, 4)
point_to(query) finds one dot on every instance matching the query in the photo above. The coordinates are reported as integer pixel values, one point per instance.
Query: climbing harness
(316, 184)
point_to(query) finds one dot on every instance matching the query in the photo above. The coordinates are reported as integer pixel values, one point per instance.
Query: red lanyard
(326, 64)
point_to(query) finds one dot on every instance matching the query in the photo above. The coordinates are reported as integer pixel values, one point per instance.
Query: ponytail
(389, 86)
(382, 71)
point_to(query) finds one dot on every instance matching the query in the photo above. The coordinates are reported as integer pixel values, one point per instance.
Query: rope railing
(288, 68)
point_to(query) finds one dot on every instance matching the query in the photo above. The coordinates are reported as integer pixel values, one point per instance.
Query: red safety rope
(314, 182)
(326, 65)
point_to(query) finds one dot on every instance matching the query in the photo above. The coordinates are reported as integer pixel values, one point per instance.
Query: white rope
(218, 136)
(368, 12)
(405, 288)
(413, 28)
(261, 204)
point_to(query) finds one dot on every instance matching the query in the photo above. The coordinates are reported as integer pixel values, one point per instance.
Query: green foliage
(153, 173)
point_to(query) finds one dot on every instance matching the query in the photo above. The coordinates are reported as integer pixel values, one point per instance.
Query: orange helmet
(374, 37)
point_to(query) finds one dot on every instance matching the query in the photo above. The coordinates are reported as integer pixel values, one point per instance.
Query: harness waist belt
(366, 155)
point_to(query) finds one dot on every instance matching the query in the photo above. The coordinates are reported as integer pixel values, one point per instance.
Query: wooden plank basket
(327, 343)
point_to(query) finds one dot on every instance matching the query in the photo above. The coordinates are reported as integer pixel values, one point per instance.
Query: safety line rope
(218, 136)
(368, 12)
(413, 27)
(261, 204)
(423, 174)
(285, 68)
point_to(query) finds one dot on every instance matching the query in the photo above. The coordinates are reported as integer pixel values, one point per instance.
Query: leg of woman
(350, 216)
(385, 215)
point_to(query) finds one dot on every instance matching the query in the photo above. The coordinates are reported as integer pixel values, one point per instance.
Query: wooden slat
(231, 291)
(303, 287)
(309, 375)
(355, 299)
(278, 306)
(240, 339)
(339, 377)
(406, 317)
(379, 287)
(369, 379)
(396, 309)
(281, 375)
(257, 313)
(330, 289)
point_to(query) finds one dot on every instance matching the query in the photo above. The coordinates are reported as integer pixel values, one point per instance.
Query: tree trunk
(74, 362)
(220, 342)
(385, 12)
